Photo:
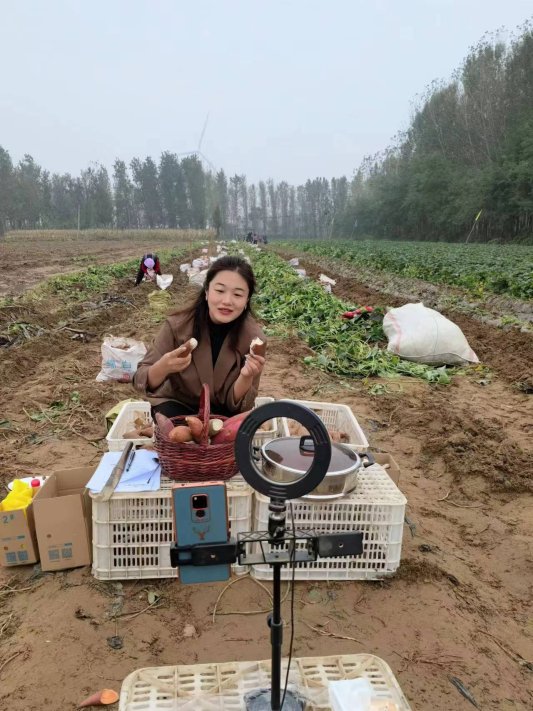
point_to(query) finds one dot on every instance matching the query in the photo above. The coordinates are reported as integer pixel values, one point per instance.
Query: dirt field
(34, 256)
(459, 606)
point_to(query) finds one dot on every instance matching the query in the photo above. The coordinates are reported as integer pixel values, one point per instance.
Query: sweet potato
(164, 423)
(180, 434)
(296, 429)
(101, 698)
(336, 436)
(133, 434)
(215, 425)
(196, 426)
(187, 347)
(230, 429)
(258, 347)
(147, 431)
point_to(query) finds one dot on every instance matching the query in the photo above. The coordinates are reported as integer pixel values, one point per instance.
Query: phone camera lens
(199, 501)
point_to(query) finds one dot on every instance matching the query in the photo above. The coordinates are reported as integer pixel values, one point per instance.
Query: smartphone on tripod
(201, 516)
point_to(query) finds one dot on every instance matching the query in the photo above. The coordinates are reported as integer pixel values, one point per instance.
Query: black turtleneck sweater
(217, 334)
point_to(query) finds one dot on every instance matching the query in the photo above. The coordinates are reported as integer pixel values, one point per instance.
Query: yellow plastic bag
(19, 497)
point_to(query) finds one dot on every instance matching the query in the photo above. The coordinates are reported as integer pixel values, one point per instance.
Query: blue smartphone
(201, 516)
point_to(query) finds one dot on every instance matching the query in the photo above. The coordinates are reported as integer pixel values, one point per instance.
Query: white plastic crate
(222, 687)
(125, 422)
(131, 410)
(262, 436)
(278, 426)
(132, 533)
(279, 429)
(337, 417)
(376, 508)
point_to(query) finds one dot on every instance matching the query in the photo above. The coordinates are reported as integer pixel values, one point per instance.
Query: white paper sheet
(144, 473)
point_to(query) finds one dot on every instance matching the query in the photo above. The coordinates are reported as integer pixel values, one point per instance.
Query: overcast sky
(294, 88)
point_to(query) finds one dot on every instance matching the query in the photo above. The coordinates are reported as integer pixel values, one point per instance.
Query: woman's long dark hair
(199, 309)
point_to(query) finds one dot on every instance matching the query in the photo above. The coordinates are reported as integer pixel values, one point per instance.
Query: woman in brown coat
(220, 319)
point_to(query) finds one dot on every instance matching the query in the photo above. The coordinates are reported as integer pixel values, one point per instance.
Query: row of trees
(469, 148)
(468, 153)
(173, 193)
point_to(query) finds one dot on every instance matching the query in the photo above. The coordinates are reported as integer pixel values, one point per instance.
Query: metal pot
(287, 459)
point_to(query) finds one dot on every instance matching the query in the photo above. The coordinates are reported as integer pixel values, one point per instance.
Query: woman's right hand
(175, 361)
(172, 362)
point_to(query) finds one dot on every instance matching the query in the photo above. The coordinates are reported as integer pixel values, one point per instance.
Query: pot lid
(296, 454)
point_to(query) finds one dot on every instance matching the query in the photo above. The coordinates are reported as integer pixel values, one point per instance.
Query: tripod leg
(276, 635)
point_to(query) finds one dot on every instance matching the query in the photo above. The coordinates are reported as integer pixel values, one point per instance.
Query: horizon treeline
(467, 154)
(172, 193)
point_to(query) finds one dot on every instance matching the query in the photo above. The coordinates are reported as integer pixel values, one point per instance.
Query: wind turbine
(198, 151)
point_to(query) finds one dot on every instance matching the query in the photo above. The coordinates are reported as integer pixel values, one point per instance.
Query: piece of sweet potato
(164, 423)
(215, 425)
(105, 697)
(337, 436)
(230, 429)
(132, 434)
(180, 434)
(187, 347)
(258, 347)
(196, 427)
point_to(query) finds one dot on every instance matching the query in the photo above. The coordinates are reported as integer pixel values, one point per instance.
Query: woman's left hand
(253, 366)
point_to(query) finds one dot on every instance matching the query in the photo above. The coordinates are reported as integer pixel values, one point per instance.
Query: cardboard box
(393, 470)
(62, 512)
(18, 543)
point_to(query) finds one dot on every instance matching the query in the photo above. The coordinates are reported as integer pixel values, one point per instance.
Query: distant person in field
(148, 268)
(249, 237)
(265, 241)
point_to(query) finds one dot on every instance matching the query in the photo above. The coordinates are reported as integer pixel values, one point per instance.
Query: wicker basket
(196, 461)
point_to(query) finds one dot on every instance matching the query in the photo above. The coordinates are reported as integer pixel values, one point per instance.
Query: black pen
(130, 460)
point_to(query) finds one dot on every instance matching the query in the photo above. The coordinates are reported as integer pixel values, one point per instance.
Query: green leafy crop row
(285, 301)
(501, 269)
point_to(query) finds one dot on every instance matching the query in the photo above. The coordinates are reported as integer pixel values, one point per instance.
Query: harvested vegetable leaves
(288, 303)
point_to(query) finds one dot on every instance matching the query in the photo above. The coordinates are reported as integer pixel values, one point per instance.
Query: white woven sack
(120, 357)
(426, 336)
(164, 280)
(198, 278)
(200, 263)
